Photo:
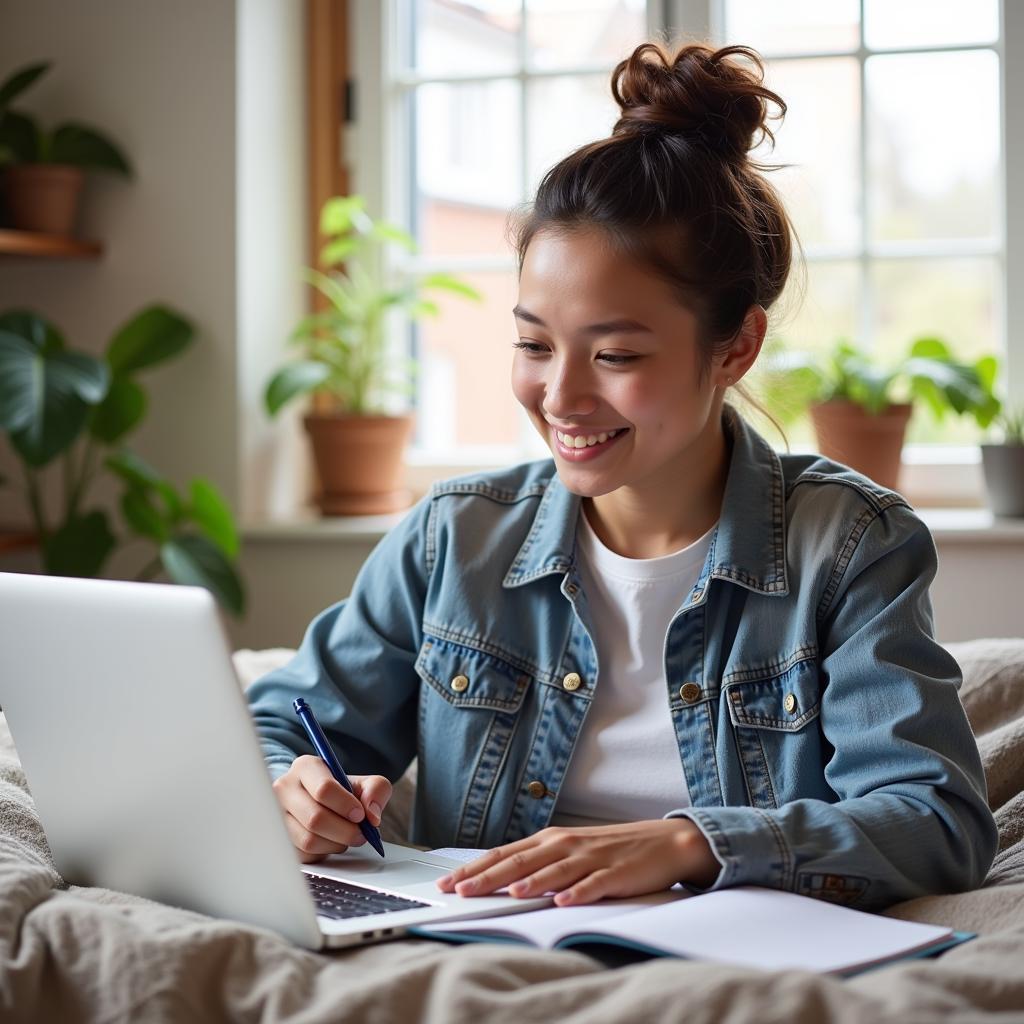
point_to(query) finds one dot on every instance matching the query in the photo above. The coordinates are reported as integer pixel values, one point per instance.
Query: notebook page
(543, 928)
(771, 929)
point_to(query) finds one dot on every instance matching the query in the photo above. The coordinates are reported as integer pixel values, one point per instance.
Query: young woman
(667, 654)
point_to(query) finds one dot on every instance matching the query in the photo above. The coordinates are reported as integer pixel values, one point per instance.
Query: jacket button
(536, 789)
(460, 683)
(572, 681)
(790, 703)
(689, 692)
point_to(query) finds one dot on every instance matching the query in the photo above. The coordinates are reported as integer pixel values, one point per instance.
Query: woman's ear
(744, 349)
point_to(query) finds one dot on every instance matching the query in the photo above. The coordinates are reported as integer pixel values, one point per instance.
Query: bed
(69, 953)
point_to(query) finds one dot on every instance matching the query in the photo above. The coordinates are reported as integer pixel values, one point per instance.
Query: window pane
(567, 112)
(820, 137)
(468, 166)
(793, 26)
(465, 399)
(933, 145)
(954, 299)
(573, 33)
(443, 38)
(929, 22)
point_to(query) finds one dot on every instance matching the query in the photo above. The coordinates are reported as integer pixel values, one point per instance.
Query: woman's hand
(322, 816)
(586, 864)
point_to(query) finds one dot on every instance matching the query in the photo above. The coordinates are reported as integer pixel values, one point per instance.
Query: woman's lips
(590, 451)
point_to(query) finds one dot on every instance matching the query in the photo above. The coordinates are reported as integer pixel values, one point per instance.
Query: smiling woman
(667, 654)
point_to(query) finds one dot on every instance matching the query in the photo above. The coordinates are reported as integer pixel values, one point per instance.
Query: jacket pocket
(469, 678)
(774, 720)
(470, 705)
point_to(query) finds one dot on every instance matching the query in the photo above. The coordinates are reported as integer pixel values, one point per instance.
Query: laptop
(148, 777)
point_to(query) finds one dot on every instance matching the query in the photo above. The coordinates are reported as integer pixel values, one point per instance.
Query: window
(897, 183)
(893, 131)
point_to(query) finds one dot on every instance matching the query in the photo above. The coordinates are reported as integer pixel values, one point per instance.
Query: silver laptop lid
(124, 705)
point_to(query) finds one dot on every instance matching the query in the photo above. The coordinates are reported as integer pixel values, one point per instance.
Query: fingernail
(356, 814)
(465, 887)
(443, 881)
(375, 809)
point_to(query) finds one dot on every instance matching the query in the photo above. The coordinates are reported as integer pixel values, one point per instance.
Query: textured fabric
(91, 955)
(816, 717)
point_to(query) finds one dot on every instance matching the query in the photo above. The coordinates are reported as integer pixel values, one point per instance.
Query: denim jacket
(820, 730)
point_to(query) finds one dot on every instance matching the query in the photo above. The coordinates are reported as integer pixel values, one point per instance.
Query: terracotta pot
(1003, 465)
(870, 443)
(359, 462)
(43, 197)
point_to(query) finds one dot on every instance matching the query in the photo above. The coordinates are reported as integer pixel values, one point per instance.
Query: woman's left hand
(586, 864)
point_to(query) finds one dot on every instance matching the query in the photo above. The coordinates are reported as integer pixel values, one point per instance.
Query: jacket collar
(749, 543)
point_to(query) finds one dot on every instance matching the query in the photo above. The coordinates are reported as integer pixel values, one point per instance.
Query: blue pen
(323, 748)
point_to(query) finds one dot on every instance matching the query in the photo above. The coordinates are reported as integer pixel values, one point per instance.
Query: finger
(321, 821)
(475, 866)
(509, 869)
(310, 847)
(316, 779)
(553, 878)
(594, 886)
(374, 792)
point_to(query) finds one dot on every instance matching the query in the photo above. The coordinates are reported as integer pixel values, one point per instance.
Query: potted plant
(1003, 464)
(56, 403)
(43, 171)
(860, 408)
(348, 363)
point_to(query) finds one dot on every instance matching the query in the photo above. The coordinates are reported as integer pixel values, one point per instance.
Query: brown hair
(674, 187)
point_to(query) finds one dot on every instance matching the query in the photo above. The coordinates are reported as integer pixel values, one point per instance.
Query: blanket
(69, 953)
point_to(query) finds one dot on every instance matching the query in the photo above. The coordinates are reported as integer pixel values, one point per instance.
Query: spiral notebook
(748, 925)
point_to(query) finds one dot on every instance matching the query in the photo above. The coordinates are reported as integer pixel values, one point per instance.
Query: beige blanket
(69, 954)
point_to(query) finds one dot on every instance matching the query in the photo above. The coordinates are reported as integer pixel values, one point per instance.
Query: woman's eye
(615, 359)
(531, 347)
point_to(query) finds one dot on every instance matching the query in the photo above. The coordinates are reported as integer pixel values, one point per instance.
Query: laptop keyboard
(342, 900)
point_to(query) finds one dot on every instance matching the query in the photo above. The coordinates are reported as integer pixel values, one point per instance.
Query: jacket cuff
(746, 842)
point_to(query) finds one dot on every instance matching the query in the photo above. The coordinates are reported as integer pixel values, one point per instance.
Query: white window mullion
(1012, 66)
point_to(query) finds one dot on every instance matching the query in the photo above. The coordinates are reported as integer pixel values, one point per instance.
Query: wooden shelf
(36, 244)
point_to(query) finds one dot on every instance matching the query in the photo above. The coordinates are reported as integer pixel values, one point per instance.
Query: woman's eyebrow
(619, 326)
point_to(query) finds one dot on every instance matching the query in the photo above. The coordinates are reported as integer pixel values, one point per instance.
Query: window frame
(377, 145)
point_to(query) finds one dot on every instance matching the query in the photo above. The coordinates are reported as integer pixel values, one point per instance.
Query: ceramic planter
(1004, 477)
(870, 443)
(43, 197)
(359, 462)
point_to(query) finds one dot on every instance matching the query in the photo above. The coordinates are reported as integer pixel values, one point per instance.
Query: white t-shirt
(626, 764)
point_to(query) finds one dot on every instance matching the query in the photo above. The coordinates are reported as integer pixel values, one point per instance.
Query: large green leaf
(211, 512)
(195, 561)
(342, 213)
(143, 516)
(294, 379)
(121, 410)
(45, 397)
(20, 139)
(20, 80)
(138, 473)
(80, 546)
(451, 284)
(150, 337)
(37, 331)
(84, 147)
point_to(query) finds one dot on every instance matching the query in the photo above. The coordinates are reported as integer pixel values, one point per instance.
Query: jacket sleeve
(912, 816)
(355, 665)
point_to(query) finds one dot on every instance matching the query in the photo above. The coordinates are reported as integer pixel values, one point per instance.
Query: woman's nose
(568, 393)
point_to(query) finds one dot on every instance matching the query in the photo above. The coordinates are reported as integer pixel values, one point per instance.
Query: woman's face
(607, 367)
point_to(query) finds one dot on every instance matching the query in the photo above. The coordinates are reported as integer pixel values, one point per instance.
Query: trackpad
(401, 872)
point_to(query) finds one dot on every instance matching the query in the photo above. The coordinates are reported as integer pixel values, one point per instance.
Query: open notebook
(749, 925)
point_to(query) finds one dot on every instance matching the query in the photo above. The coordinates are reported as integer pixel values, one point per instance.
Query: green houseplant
(347, 363)
(43, 171)
(860, 406)
(59, 404)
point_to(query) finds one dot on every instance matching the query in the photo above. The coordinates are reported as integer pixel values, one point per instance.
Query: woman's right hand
(322, 816)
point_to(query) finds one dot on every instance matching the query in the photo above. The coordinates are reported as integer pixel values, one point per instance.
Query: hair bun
(701, 94)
